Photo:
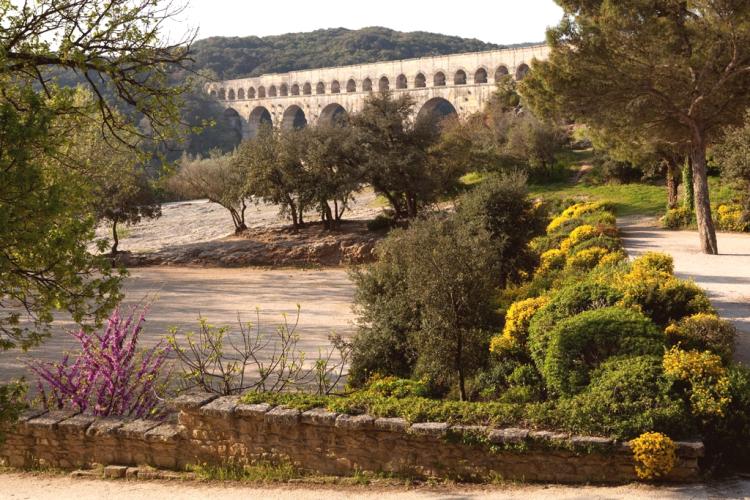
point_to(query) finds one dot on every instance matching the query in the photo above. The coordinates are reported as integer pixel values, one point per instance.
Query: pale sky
(496, 21)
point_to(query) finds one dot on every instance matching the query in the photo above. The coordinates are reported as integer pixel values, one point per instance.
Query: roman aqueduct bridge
(440, 85)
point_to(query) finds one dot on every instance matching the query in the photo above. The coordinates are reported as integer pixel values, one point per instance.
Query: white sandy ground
(726, 277)
(45, 486)
(196, 221)
(178, 295)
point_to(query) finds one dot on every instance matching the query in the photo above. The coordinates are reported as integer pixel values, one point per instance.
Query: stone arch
(351, 85)
(235, 121)
(307, 88)
(459, 78)
(261, 92)
(295, 89)
(212, 93)
(384, 84)
(241, 94)
(521, 71)
(435, 111)
(367, 85)
(333, 114)
(251, 93)
(284, 90)
(294, 118)
(259, 117)
(401, 82)
(480, 76)
(320, 88)
(272, 91)
(438, 80)
(501, 72)
(222, 94)
(335, 87)
(420, 81)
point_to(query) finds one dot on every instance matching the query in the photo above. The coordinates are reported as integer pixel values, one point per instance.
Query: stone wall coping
(221, 407)
(193, 401)
(137, 428)
(51, 418)
(283, 415)
(319, 416)
(356, 422)
(250, 410)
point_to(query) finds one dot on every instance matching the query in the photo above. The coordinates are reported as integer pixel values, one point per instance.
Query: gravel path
(179, 295)
(23, 486)
(726, 277)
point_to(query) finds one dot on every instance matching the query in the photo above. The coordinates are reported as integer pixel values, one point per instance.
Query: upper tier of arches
(462, 76)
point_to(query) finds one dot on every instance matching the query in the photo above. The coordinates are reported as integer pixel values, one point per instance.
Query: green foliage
(626, 397)
(257, 471)
(726, 438)
(677, 218)
(579, 344)
(12, 401)
(396, 387)
(566, 302)
(704, 332)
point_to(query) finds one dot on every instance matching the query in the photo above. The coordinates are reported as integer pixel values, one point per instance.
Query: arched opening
(272, 91)
(434, 111)
(522, 71)
(261, 92)
(439, 79)
(401, 82)
(501, 72)
(230, 95)
(295, 89)
(284, 90)
(307, 88)
(234, 120)
(351, 86)
(333, 114)
(367, 85)
(335, 87)
(212, 93)
(251, 93)
(259, 117)
(320, 88)
(294, 118)
(459, 78)
(480, 76)
(420, 81)
(222, 94)
(384, 84)
(241, 94)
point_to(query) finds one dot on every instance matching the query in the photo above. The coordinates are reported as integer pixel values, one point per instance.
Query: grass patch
(259, 472)
(626, 199)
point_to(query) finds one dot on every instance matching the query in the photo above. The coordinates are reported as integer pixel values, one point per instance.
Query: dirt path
(726, 277)
(23, 486)
(179, 295)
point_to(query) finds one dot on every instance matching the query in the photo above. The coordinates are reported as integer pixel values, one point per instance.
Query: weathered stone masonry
(221, 430)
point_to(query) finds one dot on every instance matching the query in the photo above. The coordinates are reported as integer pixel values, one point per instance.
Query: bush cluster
(732, 217)
(655, 454)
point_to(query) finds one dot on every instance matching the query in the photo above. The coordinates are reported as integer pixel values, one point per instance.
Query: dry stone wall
(217, 431)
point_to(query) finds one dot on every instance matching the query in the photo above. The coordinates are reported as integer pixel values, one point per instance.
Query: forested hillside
(238, 57)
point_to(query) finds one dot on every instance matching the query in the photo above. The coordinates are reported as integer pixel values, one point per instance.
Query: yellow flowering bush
(654, 261)
(704, 371)
(730, 218)
(587, 259)
(517, 321)
(552, 259)
(612, 258)
(704, 331)
(655, 455)
(677, 218)
(572, 212)
(577, 235)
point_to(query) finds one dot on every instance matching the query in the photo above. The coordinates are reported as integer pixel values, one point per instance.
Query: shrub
(518, 318)
(579, 344)
(585, 260)
(677, 218)
(626, 396)
(551, 260)
(566, 302)
(661, 296)
(612, 259)
(610, 243)
(381, 222)
(732, 218)
(704, 332)
(655, 455)
(573, 212)
(726, 437)
(577, 235)
(654, 261)
(396, 387)
(706, 378)
(109, 376)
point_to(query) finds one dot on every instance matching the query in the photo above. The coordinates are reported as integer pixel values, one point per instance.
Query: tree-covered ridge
(238, 57)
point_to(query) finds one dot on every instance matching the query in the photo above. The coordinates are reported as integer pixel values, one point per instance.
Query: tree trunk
(673, 171)
(115, 239)
(706, 230)
(687, 181)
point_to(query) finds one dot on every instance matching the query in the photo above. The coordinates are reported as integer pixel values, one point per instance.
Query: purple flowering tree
(109, 375)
